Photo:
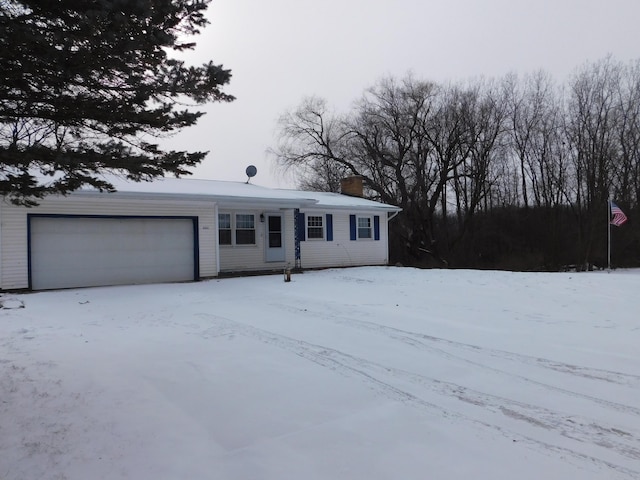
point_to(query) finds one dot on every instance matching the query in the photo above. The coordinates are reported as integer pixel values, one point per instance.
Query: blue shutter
(302, 227)
(352, 227)
(376, 227)
(329, 227)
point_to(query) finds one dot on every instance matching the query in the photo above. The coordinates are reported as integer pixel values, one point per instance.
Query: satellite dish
(251, 172)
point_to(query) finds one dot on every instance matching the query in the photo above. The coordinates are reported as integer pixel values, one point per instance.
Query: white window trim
(322, 226)
(230, 228)
(371, 232)
(234, 229)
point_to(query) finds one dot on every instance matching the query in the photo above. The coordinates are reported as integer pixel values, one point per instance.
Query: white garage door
(82, 252)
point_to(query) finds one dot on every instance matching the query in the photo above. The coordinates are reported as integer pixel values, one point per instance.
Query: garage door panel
(78, 251)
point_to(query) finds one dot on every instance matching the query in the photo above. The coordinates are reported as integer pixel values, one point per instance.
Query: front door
(275, 238)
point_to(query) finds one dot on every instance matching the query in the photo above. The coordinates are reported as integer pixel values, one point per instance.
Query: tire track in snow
(416, 340)
(381, 378)
(585, 372)
(426, 342)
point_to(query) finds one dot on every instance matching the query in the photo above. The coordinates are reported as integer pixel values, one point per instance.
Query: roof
(337, 200)
(239, 192)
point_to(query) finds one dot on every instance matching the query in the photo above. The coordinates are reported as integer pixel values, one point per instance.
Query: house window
(315, 228)
(364, 227)
(236, 229)
(245, 229)
(224, 228)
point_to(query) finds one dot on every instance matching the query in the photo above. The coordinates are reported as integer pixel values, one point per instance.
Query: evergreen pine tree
(88, 86)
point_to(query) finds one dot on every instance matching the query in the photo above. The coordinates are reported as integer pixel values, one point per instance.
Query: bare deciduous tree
(464, 160)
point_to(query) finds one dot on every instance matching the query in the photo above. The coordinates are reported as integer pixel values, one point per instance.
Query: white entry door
(275, 238)
(92, 251)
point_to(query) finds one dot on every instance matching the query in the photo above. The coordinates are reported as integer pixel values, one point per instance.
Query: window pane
(224, 237)
(275, 231)
(315, 233)
(224, 228)
(314, 221)
(275, 223)
(364, 233)
(245, 237)
(364, 222)
(364, 227)
(224, 220)
(245, 221)
(245, 229)
(314, 226)
(275, 240)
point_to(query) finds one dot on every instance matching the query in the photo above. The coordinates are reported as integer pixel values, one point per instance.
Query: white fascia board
(224, 201)
(356, 208)
(262, 203)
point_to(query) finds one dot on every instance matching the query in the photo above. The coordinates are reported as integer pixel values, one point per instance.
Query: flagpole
(608, 235)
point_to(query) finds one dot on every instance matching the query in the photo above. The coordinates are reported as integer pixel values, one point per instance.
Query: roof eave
(230, 199)
(381, 207)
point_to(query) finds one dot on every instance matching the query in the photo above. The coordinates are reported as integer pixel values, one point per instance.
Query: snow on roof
(337, 200)
(241, 191)
(191, 186)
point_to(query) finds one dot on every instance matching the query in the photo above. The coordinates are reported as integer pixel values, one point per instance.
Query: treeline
(510, 173)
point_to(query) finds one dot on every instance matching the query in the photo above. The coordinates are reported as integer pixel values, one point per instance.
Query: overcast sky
(283, 50)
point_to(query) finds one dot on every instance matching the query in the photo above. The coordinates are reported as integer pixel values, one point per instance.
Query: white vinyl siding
(342, 252)
(335, 249)
(246, 258)
(14, 235)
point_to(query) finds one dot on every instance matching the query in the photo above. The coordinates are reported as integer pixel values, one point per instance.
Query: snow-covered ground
(363, 373)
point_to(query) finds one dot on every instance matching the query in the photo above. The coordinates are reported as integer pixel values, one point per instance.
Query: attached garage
(169, 230)
(81, 251)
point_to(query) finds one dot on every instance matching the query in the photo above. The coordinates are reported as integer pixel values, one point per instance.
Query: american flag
(618, 215)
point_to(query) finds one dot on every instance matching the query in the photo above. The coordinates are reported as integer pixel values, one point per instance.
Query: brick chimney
(352, 186)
